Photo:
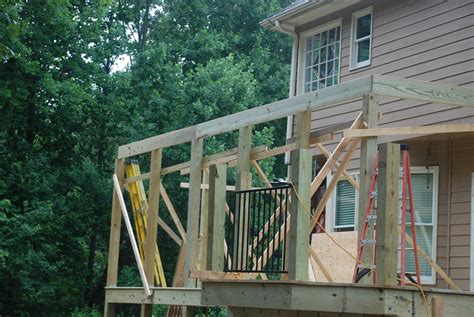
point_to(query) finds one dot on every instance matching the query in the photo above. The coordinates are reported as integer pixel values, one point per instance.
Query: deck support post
(243, 182)
(387, 214)
(114, 241)
(368, 153)
(298, 245)
(194, 203)
(216, 220)
(152, 223)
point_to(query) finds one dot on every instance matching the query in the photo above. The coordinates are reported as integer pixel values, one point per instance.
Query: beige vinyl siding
(455, 158)
(430, 40)
(426, 40)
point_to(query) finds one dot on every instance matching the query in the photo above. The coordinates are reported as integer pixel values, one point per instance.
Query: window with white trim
(361, 38)
(425, 202)
(344, 206)
(322, 51)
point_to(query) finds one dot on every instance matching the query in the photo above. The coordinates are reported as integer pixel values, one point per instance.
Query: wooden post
(243, 182)
(216, 220)
(300, 220)
(194, 201)
(437, 306)
(387, 214)
(368, 153)
(203, 221)
(152, 223)
(114, 241)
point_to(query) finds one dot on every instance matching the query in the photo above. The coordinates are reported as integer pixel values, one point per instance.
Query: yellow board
(140, 209)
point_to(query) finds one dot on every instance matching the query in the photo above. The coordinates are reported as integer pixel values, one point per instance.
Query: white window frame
(302, 50)
(353, 46)
(434, 170)
(331, 205)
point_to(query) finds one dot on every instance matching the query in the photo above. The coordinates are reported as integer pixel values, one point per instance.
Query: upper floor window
(321, 47)
(361, 39)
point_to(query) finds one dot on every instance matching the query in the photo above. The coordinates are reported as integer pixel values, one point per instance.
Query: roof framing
(344, 92)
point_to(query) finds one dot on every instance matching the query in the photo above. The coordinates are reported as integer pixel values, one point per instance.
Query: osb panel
(339, 264)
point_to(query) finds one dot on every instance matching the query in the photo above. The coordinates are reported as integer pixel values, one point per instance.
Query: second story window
(322, 57)
(361, 39)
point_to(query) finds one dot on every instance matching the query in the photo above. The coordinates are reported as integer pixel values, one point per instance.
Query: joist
(422, 90)
(432, 129)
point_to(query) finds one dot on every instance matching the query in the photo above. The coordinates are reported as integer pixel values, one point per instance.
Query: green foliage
(65, 107)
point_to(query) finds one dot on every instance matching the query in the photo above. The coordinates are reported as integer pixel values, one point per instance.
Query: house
(337, 41)
(368, 69)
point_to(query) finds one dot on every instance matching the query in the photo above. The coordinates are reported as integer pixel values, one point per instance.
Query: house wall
(431, 40)
(455, 158)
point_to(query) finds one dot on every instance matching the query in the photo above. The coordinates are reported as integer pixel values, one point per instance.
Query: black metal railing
(256, 234)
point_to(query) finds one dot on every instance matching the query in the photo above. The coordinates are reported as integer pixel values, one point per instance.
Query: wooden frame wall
(366, 88)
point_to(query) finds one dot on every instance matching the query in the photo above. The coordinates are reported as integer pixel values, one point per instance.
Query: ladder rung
(368, 242)
(371, 217)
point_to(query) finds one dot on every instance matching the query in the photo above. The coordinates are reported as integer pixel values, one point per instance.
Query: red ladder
(360, 269)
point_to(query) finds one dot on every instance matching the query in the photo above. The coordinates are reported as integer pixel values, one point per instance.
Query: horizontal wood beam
(333, 95)
(229, 188)
(431, 129)
(165, 296)
(214, 275)
(229, 156)
(315, 136)
(155, 142)
(422, 90)
(333, 298)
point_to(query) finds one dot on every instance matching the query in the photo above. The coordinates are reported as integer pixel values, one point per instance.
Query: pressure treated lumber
(368, 153)
(161, 296)
(328, 165)
(301, 164)
(332, 185)
(311, 101)
(348, 176)
(131, 235)
(316, 136)
(422, 90)
(229, 157)
(219, 275)
(193, 210)
(331, 298)
(160, 141)
(173, 213)
(153, 209)
(432, 129)
(114, 240)
(388, 184)
(243, 182)
(216, 219)
(152, 223)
